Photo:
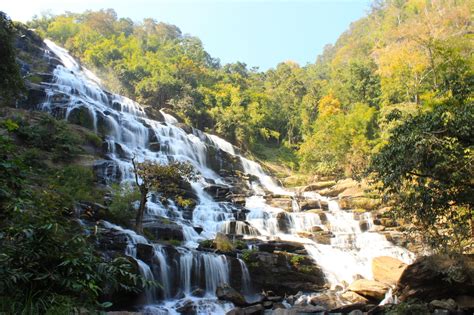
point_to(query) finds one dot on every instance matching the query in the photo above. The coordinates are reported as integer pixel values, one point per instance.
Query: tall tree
(163, 179)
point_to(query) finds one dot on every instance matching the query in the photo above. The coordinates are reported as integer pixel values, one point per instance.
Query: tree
(165, 179)
(427, 168)
(11, 83)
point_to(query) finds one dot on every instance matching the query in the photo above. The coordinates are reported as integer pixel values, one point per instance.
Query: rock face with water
(281, 241)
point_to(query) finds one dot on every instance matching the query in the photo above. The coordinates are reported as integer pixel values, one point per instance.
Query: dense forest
(328, 117)
(389, 104)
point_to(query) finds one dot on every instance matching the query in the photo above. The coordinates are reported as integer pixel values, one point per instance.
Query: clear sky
(258, 32)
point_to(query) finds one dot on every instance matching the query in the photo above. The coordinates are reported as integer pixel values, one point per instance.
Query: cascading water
(128, 133)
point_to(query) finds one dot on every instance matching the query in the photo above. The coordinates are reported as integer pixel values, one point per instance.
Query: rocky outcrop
(437, 277)
(369, 289)
(283, 273)
(387, 269)
(164, 230)
(227, 293)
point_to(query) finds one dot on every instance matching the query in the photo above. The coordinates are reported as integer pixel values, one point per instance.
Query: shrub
(122, 209)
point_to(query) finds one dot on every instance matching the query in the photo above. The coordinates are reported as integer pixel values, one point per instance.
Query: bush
(122, 209)
(51, 135)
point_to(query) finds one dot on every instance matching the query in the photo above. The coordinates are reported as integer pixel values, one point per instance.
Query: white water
(128, 133)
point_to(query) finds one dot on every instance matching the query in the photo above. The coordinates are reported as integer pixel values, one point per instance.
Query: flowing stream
(77, 94)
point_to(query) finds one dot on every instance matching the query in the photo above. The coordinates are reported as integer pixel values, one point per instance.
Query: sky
(260, 33)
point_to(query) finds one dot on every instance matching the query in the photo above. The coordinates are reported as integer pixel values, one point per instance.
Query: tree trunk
(141, 210)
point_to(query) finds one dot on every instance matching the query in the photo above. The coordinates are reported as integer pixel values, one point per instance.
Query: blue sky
(258, 32)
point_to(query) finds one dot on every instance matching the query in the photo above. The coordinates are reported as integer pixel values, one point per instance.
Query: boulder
(353, 297)
(448, 304)
(283, 222)
(273, 246)
(275, 271)
(282, 203)
(250, 310)
(187, 307)
(369, 288)
(326, 300)
(319, 185)
(387, 269)
(198, 292)
(309, 204)
(465, 302)
(154, 146)
(437, 277)
(165, 231)
(145, 252)
(227, 293)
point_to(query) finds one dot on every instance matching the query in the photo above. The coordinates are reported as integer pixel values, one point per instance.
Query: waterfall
(76, 95)
(246, 283)
(164, 278)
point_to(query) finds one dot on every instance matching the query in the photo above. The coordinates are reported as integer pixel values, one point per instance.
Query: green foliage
(122, 208)
(332, 112)
(11, 82)
(247, 255)
(48, 264)
(50, 135)
(426, 168)
(166, 179)
(339, 139)
(296, 260)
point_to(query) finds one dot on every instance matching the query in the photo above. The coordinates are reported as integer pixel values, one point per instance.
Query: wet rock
(154, 146)
(364, 225)
(198, 229)
(267, 304)
(278, 306)
(387, 269)
(273, 246)
(165, 231)
(275, 271)
(448, 304)
(257, 309)
(316, 229)
(145, 252)
(239, 228)
(187, 308)
(326, 300)
(36, 95)
(112, 240)
(107, 171)
(465, 302)
(356, 308)
(437, 277)
(322, 215)
(309, 204)
(282, 203)
(353, 297)
(218, 192)
(319, 185)
(283, 222)
(254, 310)
(198, 292)
(227, 293)
(300, 310)
(321, 237)
(369, 288)
(188, 129)
(81, 116)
